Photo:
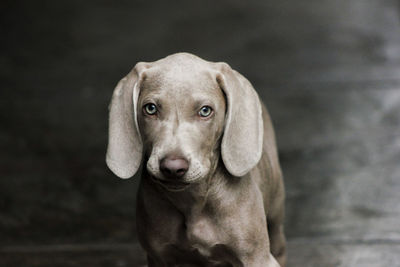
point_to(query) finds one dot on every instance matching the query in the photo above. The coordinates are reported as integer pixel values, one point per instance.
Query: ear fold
(124, 151)
(242, 142)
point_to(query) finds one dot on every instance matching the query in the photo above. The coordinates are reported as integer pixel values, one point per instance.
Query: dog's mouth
(171, 185)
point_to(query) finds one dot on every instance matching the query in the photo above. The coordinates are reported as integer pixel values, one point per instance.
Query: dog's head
(179, 114)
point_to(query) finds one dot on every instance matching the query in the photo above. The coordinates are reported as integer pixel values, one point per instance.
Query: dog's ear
(242, 141)
(124, 151)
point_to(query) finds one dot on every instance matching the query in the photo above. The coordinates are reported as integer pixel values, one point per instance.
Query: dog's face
(181, 119)
(178, 115)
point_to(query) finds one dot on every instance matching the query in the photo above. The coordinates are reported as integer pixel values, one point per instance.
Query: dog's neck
(200, 198)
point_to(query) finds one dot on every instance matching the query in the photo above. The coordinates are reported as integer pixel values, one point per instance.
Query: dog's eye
(150, 109)
(205, 111)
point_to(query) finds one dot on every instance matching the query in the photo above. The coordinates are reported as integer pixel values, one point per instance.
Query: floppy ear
(242, 141)
(124, 151)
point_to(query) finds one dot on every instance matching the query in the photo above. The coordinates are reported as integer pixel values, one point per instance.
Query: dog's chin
(175, 184)
(171, 185)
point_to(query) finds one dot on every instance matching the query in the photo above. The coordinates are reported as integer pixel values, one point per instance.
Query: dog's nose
(174, 167)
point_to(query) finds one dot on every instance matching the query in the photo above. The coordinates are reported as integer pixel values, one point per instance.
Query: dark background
(329, 72)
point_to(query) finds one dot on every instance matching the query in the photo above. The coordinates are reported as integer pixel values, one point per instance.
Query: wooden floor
(329, 72)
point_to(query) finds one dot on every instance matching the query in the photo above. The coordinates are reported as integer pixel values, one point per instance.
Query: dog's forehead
(177, 80)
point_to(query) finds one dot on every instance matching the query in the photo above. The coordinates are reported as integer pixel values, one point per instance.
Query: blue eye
(205, 111)
(150, 109)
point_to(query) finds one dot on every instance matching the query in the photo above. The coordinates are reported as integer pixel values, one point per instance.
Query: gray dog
(211, 192)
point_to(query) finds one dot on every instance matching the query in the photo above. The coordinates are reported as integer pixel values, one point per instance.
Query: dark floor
(329, 72)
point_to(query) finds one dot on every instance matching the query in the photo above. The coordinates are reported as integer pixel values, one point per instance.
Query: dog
(211, 191)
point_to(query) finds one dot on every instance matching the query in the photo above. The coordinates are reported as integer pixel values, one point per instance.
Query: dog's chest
(203, 240)
(201, 234)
